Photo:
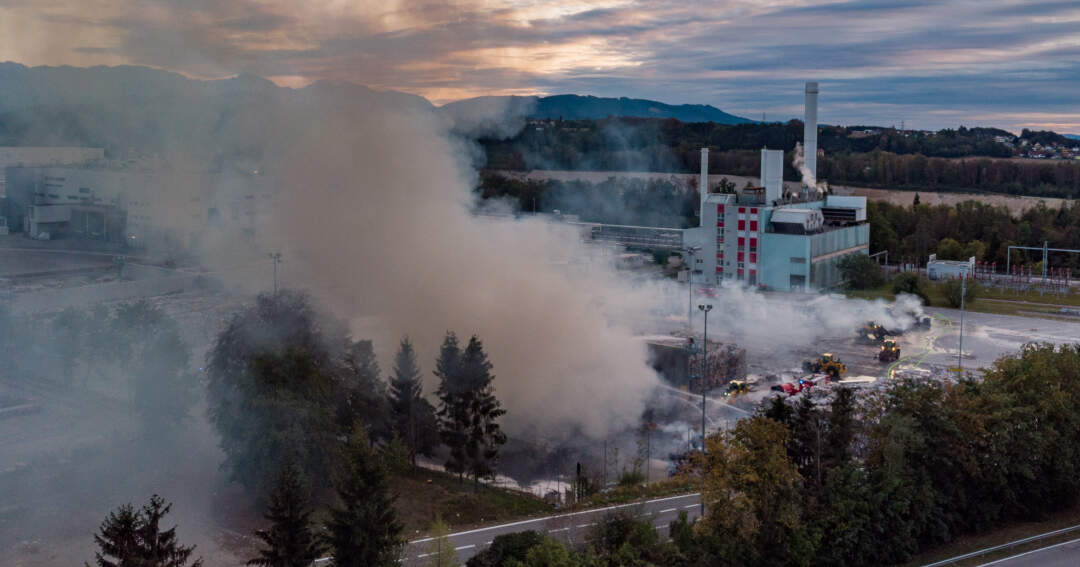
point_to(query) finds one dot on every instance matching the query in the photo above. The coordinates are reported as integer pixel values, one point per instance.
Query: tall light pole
(276, 257)
(960, 351)
(705, 308)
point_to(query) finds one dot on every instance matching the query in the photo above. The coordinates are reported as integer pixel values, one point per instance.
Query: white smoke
(375, 219)
(799, 162)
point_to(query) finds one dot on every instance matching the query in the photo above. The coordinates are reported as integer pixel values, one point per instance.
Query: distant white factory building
(136, 206)
(35, 156)
(762, 236)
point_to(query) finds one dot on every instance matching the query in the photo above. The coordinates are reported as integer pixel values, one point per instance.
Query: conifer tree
(161, 547)
(363, 530)
(484, 436)
(289, 541)
(453, 408)
(136, 539)
(365, 392)
(411, 415)
(117, 539)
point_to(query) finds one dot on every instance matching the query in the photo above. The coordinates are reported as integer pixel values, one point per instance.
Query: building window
(753, 211)
(742, 210)
(753, 258)
(798, 260)
(719, 224)
(739, 257)
(742, 242)
(753, 245)
(742, 225)
(753, 226)
(719, 209)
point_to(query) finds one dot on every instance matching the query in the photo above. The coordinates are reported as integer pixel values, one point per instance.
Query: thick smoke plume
(374, 217)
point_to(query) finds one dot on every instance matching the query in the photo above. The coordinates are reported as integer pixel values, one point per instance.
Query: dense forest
(965, 159)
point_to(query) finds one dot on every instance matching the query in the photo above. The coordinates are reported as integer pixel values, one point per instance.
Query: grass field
(424, 493)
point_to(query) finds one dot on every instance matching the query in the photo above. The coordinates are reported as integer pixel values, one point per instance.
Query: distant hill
(153, 111)
(1073, 136)
(578, 107)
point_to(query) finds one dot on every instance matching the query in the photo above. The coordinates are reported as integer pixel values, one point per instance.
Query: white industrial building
(764, 237)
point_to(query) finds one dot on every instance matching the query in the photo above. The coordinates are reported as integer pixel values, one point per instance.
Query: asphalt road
(568, 528)
(1065, 554)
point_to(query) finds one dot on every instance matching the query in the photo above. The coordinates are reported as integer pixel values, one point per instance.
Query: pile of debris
(678, 361)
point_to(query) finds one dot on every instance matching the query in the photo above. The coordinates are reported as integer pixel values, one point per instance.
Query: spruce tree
(289, 541)
(161, 548)
(483, 434)
(453, 407)
(409, 411)
(134, 538)
(364, 531)
(365, 392)
(118, 541)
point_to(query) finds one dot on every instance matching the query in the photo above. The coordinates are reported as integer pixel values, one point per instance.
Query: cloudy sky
(929, 64)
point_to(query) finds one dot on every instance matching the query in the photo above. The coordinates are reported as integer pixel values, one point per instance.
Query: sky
(928, 65)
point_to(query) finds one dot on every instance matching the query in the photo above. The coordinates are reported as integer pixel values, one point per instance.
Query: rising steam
(799, 163)
(374, 217)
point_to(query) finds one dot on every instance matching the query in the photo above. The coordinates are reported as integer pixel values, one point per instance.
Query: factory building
(766, 237)
(137, 207)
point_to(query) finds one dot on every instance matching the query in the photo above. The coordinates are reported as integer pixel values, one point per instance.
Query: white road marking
(691, 506)
(670, 510)
(470, 546)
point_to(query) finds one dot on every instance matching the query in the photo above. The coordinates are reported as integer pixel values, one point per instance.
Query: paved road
(1065, 554)
(569, 528)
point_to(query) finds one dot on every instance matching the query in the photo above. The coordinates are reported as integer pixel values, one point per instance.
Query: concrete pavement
(569, 528)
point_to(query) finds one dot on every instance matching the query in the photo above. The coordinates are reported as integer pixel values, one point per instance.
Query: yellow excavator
(827, 364)
(889, 352)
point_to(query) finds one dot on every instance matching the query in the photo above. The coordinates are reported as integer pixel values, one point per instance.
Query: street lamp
(960, 350)
(704, 369)
(276, 257)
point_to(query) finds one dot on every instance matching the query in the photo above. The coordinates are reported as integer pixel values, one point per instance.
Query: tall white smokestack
(810, 130)
(703, 185)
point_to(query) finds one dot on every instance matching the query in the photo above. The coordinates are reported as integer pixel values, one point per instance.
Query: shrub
(954, 287)
(910, 282)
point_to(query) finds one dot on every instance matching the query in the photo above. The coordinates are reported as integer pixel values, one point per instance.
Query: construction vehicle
(736, 387)
(792, 389)
(889, 352)
(827, 364)
(871, 333)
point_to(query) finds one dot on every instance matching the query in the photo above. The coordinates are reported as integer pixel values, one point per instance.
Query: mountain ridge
(578, 107)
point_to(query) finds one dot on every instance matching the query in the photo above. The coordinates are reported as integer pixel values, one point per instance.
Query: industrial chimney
(703, 185)
(810, 130)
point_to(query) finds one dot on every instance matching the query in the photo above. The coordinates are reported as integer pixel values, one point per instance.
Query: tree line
(964, 159)
(636, 202)
(974, 228)
(861, 480)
